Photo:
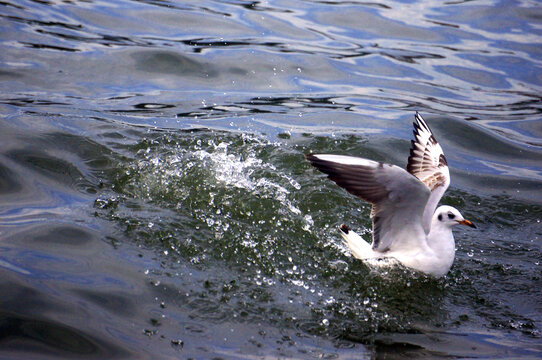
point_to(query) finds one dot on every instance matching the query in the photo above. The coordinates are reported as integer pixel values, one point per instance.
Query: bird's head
(450, 216)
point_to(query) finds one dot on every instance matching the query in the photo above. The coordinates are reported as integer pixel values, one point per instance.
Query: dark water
(155, 201)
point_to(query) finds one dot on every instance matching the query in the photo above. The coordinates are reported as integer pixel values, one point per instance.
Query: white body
(434, 256)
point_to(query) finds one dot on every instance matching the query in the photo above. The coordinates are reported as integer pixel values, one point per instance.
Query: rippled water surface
(155, 201)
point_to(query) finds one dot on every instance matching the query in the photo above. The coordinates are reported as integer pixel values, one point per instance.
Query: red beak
(468, 223)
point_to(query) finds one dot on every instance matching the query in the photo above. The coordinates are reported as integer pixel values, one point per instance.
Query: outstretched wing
(398, 198)
(427, 163)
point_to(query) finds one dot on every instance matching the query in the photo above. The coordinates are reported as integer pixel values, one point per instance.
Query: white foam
(235, 170)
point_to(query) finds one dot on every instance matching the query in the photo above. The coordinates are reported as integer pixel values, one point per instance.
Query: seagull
(406, 226)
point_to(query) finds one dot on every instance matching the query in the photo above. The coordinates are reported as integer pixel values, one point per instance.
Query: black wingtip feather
(344, 228)
(421, 123)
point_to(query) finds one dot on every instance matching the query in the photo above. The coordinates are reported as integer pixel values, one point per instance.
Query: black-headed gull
(406, 225)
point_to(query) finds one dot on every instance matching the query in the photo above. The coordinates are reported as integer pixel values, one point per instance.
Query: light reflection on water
(155, 201)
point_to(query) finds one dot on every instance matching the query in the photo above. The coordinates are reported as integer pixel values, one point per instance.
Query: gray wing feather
(398, 198)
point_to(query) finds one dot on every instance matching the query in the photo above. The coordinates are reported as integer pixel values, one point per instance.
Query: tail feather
(360, 248)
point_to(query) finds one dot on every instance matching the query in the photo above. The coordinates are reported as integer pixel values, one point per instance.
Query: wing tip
(420, 123)
(424, 141)
(313, 159)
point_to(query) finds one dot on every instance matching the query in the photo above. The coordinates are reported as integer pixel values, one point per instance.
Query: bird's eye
(451, 216)
(440, 217)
